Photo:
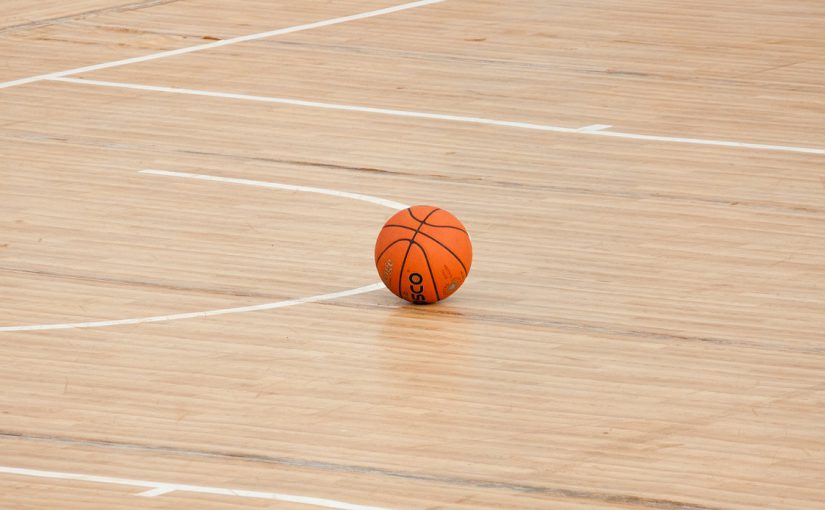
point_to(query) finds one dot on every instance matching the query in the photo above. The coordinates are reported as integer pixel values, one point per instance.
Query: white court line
(195, 315)
(592, 130)
(288, 187)
(243, 309)
(218, 44)
(594, 127)
(157, 491)
(316, 104)
(160, 488)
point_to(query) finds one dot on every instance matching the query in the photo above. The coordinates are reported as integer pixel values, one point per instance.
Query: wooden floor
(643, 326)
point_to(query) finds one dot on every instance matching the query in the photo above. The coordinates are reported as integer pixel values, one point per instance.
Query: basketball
(423, 254)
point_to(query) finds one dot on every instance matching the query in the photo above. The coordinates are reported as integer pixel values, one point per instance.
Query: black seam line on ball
(409, 211)
(399, 226)
(388, 247)
(432, 225)
(428, 236)
(412, 239)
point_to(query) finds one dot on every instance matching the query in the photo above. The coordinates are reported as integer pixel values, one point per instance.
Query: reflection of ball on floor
(423, 254)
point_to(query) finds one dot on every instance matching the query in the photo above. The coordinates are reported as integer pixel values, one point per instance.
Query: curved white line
(243, 309)
(288, 187)
(193, 315)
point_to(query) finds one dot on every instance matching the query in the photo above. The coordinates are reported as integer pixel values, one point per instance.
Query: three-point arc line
(243, 309)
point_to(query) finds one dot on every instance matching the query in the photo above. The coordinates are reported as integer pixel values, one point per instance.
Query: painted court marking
(218, 44)
(287, 187)
(243, 309)
(196, 315)
(594, 127)
(592, 130)
(155, 489)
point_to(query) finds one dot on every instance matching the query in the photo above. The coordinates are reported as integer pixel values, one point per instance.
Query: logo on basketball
(423, 254)
(417, 287)
(387, 271)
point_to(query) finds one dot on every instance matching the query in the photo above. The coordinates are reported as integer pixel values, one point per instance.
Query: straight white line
(195, 315)
(593, 130)
(159, 488)
(157, 491)
(701, 141)
(594, 127)
(288, 187)
(218, 44)
(316, 104)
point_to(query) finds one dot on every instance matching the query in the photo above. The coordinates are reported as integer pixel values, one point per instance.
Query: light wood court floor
(643, 327)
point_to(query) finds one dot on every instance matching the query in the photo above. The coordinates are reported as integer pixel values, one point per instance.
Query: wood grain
(642, 327)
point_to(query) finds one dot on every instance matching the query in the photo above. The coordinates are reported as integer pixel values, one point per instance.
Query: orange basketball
(423, 254)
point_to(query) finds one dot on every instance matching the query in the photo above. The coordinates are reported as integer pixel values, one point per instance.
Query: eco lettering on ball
(416, 287)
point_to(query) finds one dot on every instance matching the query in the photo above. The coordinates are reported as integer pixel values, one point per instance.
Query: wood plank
(643, 323)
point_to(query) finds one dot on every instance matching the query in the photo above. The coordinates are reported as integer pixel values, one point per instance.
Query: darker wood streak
(474, 483)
